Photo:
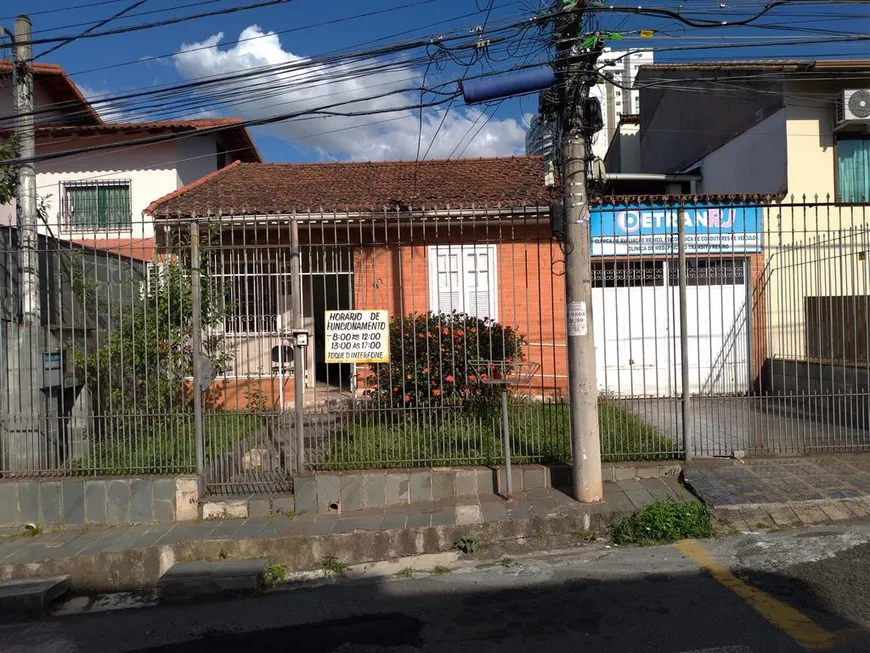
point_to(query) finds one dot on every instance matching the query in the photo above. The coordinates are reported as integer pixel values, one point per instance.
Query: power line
(89, 30)
(159, 23)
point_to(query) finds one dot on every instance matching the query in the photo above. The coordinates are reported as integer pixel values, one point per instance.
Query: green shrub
(430, 358)
(667, 521)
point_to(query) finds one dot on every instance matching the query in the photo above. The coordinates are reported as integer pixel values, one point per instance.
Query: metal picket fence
(118, 379)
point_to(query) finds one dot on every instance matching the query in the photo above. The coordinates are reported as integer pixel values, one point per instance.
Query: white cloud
(109, 110)
(382, 136)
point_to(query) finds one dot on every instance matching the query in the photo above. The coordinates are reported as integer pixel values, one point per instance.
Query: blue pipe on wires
(475, 91)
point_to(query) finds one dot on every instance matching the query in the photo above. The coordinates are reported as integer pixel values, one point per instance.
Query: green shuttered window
(99, 206)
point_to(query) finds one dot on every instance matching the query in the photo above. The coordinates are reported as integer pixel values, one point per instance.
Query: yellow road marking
(799, 627)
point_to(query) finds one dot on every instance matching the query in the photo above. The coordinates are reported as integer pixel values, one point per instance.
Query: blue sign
(647, 229)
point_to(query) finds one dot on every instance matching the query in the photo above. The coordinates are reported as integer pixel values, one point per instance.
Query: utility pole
(575, 74)
(25, 139)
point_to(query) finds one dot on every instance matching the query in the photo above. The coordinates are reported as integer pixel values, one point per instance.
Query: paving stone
(784, 517)
(397, 488)
(518, 510)
(163, 511)
(351, 492)
(370, 522)
(810, 514)
(95, 502)
(118, 501)
(466, 482)
(486, 480)
(73, 502)
(140, 500)
(394, 521)
(9, 503)
(534, 476)
(444, 517)
(322, 527)
(419, 520)
(328, 491)
(420, 486)
(494, 511)
(259, 508)
(305, 487)
(443, 485)
(283, 506)
(640, 498)
(469, 514)
(616, 499)
(375, 486)
(836, 511)
(28, 502)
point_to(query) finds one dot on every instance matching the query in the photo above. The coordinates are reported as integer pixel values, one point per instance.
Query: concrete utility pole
(25, 139)
(575, 77)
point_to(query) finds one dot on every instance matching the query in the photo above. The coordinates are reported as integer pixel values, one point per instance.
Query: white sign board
(577, 325)
(357, 336)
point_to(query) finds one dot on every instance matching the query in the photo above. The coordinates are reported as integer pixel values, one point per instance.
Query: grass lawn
(166, 443)
(449, 436)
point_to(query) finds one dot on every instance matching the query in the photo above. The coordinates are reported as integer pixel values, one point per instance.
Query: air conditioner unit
(853, 107)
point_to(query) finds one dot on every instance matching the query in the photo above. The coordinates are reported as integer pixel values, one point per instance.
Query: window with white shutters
(462, 278)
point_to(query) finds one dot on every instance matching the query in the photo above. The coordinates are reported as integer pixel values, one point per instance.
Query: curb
(138, 569)
(767, 516)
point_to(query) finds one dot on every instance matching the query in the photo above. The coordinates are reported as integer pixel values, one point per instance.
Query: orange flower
(483, 377)
(407, 398)
(421, 336)
(425, 370)
(471, 377)
(436, 392)
(445, 331)
(460, 332)
(410, 376)
(395, 388)
(449, 378)
(473, 330)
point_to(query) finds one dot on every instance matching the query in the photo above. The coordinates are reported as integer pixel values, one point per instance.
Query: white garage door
(637, 326)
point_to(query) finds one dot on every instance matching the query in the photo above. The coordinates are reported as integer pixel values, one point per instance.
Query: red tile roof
(64, 92)
(141, 249)
(260, 189)
(238, 140)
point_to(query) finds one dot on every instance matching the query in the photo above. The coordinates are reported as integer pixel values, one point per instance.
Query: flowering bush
(430, 356)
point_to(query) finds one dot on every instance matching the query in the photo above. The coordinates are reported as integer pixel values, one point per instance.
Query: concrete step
(30, 598)
(202, 579)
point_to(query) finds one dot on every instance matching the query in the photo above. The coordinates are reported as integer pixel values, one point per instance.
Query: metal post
(684, 332)
(298, 351)
(582, 385)
(196, 327)
(508, 484)
(25, 141)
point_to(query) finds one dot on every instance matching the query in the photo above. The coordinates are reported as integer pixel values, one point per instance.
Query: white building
(98, 198)
(617, 101)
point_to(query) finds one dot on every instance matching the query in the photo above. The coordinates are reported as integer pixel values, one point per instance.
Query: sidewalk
(761, 493)
(134, 557)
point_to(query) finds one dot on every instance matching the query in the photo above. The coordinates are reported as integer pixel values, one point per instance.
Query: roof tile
(261, 189)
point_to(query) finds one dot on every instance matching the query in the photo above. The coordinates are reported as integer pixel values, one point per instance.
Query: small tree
(430, 356)
(143, 355)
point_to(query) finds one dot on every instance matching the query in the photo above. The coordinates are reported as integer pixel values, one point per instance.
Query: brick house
(472, 236)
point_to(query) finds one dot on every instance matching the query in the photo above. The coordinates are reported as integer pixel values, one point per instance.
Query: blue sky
(300, 32)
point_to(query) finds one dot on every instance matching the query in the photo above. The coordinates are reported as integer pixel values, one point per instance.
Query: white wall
(197, 157)
(153, 171)
(756, 161)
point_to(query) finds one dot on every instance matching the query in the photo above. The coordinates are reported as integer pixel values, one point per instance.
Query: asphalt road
(795, 591)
